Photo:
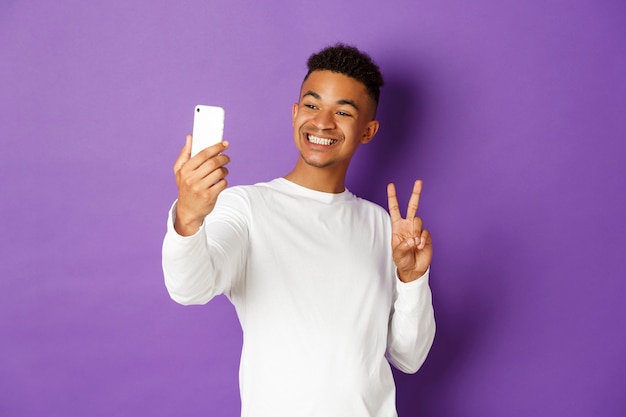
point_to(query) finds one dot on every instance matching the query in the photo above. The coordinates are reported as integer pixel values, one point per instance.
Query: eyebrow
(341, 101)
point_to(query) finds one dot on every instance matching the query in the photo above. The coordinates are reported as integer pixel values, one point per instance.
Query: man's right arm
(195, 266)
(198, 267)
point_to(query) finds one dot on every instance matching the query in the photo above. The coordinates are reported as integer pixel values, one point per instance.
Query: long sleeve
(197, 268)
(412, 325)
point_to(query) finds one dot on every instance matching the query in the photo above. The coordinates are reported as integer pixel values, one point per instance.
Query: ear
(370, 131)
(294, 113)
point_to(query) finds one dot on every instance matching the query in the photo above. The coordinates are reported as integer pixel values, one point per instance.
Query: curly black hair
(348, 60)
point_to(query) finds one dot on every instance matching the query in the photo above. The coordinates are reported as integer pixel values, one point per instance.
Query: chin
(317, 162)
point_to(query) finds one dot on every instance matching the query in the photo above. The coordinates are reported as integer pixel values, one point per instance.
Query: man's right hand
(200, 180)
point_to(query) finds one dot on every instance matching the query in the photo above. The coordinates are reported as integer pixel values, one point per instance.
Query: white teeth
(320, 141)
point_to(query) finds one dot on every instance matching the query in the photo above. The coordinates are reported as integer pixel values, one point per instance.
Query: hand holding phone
(197, 195)
(208, 127)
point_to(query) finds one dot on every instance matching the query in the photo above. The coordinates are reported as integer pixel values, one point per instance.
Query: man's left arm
(412, 326)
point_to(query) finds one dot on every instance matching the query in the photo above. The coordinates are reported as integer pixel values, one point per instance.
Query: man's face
(333, 117)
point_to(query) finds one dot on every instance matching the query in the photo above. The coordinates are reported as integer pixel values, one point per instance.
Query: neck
(327, 180)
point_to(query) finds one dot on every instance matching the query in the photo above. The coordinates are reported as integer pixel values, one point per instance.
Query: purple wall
(514, 114)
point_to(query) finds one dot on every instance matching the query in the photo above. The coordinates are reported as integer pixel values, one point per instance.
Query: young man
(328, 287)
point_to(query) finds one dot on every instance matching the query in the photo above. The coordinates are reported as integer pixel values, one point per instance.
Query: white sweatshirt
(312, 280)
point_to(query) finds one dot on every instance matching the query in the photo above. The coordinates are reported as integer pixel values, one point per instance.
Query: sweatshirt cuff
(410, 294)
(172, 231)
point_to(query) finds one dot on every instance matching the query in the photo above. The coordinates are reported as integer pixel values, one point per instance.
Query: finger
(219, 186)
(392, 203)
(214, 177)
(416, 229)
(184, 155)
(403, 246)
(414, 201)
(404, 253)
(210, 165)
(417, 226)
(216, 149)
(425, 239)
(208, 153)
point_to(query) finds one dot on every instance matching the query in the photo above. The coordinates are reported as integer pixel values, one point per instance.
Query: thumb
(184, 156)
(404, 250)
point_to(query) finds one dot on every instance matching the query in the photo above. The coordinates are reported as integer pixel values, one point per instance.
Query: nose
(324, 120)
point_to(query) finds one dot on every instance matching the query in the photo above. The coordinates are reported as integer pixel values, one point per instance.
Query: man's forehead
(327, 84)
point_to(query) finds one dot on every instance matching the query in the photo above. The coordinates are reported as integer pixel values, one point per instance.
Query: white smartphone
(208, 127)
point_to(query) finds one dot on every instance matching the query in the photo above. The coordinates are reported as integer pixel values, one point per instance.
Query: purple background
(513, 113)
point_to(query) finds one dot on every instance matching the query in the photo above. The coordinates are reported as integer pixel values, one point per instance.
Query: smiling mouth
(321, 141)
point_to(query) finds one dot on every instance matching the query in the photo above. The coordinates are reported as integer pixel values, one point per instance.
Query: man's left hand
(412, 246)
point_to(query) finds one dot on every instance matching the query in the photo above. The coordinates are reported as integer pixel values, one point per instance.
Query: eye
(343, 113)
(310, 106)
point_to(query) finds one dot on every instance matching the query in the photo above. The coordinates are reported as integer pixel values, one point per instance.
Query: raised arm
(202, 254)
(412, 325)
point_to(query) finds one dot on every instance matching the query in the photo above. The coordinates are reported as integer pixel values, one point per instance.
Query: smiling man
(329, 288)
(334, 117)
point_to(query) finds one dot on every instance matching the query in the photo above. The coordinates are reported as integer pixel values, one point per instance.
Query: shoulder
(246, 193)
(370, 206)
(371, 213)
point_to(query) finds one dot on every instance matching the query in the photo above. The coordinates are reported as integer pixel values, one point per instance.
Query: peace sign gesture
(411, 244)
